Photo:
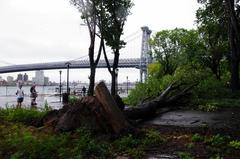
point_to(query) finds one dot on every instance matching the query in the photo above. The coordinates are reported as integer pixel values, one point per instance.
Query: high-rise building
(25, 77)
(20, 77)
(39, 77)
(46, 80)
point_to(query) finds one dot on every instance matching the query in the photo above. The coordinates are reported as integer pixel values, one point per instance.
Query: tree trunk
(92, 67)
(149, 108)
(113, 86)
(114, 115)
(115, 73)
(234, 41)
(92, 81)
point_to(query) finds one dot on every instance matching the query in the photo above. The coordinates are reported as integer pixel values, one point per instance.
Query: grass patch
(235, 144)
(210, 105)
(24, 115)
(17, 141)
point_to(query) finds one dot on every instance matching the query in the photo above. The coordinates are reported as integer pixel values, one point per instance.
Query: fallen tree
(101, 113)
(173, 96)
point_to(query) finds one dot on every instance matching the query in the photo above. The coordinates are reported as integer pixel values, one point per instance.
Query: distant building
(20, 77)
(10, 79)
(25, 77)
(46, 80)
(39, 78)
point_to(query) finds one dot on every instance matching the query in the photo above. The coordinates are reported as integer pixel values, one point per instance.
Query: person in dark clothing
(84, 91)
(33, 95)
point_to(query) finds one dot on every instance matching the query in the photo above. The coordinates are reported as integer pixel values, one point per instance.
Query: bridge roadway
(123, 63)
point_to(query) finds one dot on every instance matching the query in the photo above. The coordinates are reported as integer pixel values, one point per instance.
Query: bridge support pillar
(146, 57)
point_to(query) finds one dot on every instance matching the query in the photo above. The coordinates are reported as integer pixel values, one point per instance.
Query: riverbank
(42, 100)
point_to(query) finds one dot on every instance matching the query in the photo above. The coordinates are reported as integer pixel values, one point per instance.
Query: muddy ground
(178, 127)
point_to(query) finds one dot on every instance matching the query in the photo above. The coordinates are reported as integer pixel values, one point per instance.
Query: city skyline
(38, 79)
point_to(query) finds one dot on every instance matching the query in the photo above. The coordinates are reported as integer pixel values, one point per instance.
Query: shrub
(126, 142)
(72, 100)
(152, 138)
(151, 88)
(86, 146)
(27, 145)
(197, 138)
(217, 140)
(136, 153)
(21, 115)
(208, 107)
(185, 155)
(210, 88)
(235, 144)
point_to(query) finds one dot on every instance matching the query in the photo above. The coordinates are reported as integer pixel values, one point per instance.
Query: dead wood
(173, 96)
(113, 114)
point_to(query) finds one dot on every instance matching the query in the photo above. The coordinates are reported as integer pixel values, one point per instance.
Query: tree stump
(113, 114)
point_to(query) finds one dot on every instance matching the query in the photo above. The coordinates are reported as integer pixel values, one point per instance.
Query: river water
(46, 94)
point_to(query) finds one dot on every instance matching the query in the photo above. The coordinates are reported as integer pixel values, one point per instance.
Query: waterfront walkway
(42, 100)
(228, 118)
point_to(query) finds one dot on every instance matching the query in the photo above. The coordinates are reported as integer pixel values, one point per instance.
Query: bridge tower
(146, 58)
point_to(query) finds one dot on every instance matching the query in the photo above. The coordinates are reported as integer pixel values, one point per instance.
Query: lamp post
(68, 64)
(127, 84)
(60, 85)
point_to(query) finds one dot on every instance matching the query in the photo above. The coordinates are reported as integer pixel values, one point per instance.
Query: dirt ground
(179, 127)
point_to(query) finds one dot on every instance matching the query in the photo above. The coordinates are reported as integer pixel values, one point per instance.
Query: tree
(166, 47)
(212, 26)
(88, 10)
(113, 15)
(232, 11)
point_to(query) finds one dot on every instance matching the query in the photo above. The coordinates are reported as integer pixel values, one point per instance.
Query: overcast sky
(33, 31)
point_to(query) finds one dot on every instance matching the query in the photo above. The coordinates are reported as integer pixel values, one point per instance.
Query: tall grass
(20, 114)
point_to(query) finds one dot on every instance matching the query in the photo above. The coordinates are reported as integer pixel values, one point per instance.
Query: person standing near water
(20, 96)
(33, 95)
(84, 90)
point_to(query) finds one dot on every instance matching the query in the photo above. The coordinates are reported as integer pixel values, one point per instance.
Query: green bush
(151, 88)
(208, 107)
(20, 115)
(152, 138)
(197, 138)
(216, 157)
(210, 88)
(185, 155)
(87, 146)
(217, 140)
(73, 100)
(125, 143)
(136, 153)
(235, 144)
(26, 146)
(186, 74)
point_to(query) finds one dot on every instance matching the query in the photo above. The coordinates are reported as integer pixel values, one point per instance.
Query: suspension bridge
(138, 63)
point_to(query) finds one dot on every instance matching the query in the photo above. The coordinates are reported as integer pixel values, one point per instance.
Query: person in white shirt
(20, 96)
